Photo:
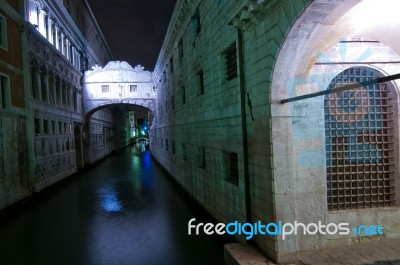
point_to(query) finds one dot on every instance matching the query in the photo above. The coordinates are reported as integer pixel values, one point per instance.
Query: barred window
(230, 56)
(180, 49)
(183, 95)
(196, 21)
(133, 88)
(200, 76)
(233, 169)
(184, 155)
(359, 143)
(202, 157)
(105, 88)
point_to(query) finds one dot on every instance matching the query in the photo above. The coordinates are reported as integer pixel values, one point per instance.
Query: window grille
(202, 157)
(196, 21)
(200, 76)
(359, 143)
(105, 88)
(233, 169)
(183, 94)
(231, 62)
(180, 49)
(133, 88)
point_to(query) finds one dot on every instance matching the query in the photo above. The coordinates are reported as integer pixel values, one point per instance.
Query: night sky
(134, 29)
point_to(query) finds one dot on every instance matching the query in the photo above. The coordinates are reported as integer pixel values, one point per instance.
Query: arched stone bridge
(118, 83)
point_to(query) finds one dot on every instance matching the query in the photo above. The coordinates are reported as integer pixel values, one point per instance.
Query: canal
(125, 210)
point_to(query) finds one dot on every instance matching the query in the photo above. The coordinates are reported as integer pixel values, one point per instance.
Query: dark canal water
(123, 211)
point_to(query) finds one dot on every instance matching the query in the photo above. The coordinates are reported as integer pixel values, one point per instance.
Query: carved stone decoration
(123, 85)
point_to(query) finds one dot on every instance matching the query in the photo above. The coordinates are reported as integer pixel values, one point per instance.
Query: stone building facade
(14, 184)
(222, 131)
(64, 41)
(46, 135)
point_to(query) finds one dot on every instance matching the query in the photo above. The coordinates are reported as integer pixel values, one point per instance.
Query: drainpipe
(244, 126)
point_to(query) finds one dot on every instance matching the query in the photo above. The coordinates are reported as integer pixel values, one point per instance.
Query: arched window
(359, 142)
(58, 91)
(34, 80)
(43, 84)
(51, 88)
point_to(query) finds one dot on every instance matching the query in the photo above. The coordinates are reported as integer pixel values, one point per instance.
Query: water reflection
(123, 211)
(109, 200)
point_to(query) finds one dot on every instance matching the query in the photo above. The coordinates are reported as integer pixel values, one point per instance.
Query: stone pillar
(41, 25)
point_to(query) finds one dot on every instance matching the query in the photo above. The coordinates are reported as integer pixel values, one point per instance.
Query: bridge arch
(115, 97)
(328, 38)
(118, 83)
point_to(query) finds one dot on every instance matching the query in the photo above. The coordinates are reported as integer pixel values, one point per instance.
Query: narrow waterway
(123, 211)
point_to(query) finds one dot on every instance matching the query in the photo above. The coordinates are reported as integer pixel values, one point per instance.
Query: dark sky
(134, 29)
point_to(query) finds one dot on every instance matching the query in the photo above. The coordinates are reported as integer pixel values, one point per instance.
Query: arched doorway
(329, 164)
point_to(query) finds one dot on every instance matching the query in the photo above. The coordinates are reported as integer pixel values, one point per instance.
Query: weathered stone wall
(213, 120)
(14, 183)
(285, 46)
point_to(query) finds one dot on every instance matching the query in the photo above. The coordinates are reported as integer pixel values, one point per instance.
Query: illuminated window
(3, 32)
(105, 88)
(359, 143)
(230, 59)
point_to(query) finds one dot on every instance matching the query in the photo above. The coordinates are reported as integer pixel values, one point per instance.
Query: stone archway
(326, 40)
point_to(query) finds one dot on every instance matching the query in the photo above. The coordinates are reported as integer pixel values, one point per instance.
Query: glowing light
(370, 13)
(110, 201)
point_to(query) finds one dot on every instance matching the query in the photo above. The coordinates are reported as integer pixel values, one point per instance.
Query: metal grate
(231, 62)
(359, 143)
(233, 168)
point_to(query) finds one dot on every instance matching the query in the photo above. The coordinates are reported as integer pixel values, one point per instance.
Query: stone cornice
(182, 13)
